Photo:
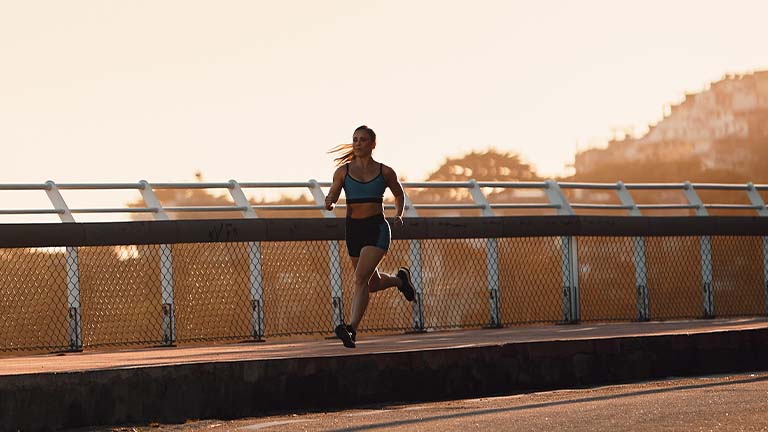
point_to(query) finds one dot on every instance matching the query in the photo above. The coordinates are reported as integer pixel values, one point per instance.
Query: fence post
(166, 268)
(255, 278)
(706, 252)
(757, 201)
(166, 285)
(337, 303)
(639, 255)
(74, 326)
(414, 251)
(74, 323)
(765, 271)
(569, 263)
(491, 256)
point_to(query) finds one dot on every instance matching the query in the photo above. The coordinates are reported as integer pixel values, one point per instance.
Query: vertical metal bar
(255, 279)
(626, 199)
(576, 295)
(757, 200)
(638, 255)
(765, 271)
(255, 283)
(151, 201)
(319, 196)
(74, 326)
(706, 274)
(492, 269)
(240, 200)
(417, 310)
(58, 202)
(569, 264)
(166, 285)
(706, 253)
(166, 267)
(641, 279)
(569, 255)
(693, 199)
(557, 197)
(334, 260)
(334, 265)
(74, 322)
(414, 251)
(491, 257)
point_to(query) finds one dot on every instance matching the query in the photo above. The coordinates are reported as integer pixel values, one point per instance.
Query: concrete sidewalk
(367, 344)
(169, 385)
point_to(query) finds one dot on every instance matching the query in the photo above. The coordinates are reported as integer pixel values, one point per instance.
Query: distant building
(733, 108)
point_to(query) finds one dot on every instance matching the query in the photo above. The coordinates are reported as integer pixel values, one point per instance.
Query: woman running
(367, 232)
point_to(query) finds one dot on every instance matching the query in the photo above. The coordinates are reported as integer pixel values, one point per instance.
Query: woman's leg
(373, 282)
(381, 281)
(369, 259)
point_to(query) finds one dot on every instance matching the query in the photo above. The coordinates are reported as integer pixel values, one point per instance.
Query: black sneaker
(352, 333)
(407, 289)
(344, 335)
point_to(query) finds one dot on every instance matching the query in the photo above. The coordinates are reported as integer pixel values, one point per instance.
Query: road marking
(365, 413)
(265, 425)
(379, 411)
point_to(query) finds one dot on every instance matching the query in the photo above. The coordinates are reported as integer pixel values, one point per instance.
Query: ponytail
(345, 152)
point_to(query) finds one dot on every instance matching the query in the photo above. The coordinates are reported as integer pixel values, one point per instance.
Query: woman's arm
(397, 190)
(335, 191)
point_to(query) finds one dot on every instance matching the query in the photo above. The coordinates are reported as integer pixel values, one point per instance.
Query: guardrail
(552, 190)
(74, 286)
(171, 273)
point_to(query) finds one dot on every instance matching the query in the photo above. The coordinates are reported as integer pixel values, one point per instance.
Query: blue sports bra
(363, 192)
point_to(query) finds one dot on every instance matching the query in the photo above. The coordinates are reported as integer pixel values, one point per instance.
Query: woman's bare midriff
(364, 210)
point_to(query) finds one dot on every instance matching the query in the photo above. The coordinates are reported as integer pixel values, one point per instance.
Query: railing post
(638, 255)
(74, 326)
(166, 285)
(151, 201)
(255, 279)
(765, 271)
(334, 264)
(569, 262)
(414, 251)
(74, 323)
(570, 270)
(255, 283)
(166, 268)
(491, 257)
(706, 253)
(757, 200)
(58, 202)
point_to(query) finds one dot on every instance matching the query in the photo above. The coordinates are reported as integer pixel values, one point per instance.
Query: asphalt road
(712, 403)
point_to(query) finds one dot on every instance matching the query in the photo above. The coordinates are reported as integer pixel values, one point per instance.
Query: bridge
(91, 288)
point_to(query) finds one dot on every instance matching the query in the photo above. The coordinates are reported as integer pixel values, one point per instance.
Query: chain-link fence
(72, 297)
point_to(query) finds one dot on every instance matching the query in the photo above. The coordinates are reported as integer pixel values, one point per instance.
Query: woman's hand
(399, 221)
(329, 203)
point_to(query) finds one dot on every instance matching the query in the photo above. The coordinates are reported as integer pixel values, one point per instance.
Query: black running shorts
(370, 231)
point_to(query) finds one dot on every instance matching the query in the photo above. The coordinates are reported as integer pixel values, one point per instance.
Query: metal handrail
(667, 206)
(115, 210)
(550, 189)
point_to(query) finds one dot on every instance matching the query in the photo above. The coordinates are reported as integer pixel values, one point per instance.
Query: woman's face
(362, 144)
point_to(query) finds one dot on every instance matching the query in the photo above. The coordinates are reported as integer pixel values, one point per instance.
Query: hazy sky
(99, 91)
